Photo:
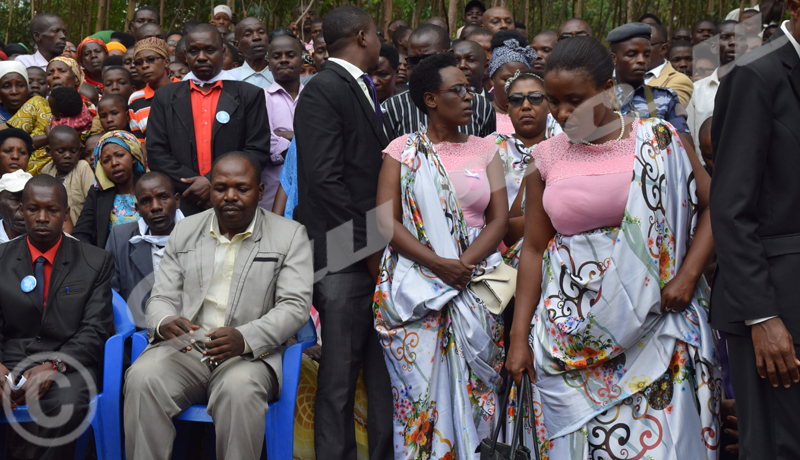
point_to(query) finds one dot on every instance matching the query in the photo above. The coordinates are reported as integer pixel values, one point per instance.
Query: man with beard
(50, 37)
(195, 121)
(732, 45)
(630, 49)
(12, 224)
(138, 247)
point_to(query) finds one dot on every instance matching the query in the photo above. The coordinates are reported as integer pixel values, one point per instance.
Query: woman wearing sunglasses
(444, 209)
(510, 54)
(610, 312)
(151, 59)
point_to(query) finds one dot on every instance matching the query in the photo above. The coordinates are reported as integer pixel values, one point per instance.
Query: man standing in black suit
(339, 133)
(193, 122)
(55, 302)
(755, 196)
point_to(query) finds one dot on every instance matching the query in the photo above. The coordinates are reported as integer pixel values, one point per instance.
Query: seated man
(12, 224)
(55, 314)
(234, 285)
(138, 246)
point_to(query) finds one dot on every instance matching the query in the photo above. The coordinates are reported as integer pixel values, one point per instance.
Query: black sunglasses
(149, 59)
(517, 99)
(569, 35)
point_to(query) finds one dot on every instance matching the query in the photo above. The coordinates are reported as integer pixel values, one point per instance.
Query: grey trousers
(163, 382)
(350, 342)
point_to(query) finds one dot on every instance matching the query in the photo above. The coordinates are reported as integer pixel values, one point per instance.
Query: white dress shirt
(35, 60)
(654, 73)
(3, 235)
(358, 74)
(701, 106)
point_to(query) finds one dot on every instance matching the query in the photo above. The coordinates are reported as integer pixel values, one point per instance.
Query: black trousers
(349, 342)
(769, 418)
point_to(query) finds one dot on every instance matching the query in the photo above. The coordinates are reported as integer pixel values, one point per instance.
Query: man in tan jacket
(233, 286)
(661, 73)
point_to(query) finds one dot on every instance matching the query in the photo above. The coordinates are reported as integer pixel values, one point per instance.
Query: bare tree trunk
(604, 23)
(387, 17)
(452, 16)
(741, 8)
(527, 21)
(131, 10)
(417, 14)
(711, 7)
(10, 17)
(630, 10)
(671, 17)
(161, 13)
(562, 13)
(108, 10)
(577, 9)
(101, 9)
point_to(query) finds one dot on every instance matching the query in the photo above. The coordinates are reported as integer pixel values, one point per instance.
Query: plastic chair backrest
(307, 333)
(123, 318)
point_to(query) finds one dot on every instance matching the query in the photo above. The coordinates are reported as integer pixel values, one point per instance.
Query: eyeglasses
(149, 59)
(413, 61)
(172, 43)
(566, 35)
(517, 99)
(71, 48)
(461, 90)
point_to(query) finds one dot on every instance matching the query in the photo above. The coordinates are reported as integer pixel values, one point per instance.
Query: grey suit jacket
(270, 294)
(133, 277)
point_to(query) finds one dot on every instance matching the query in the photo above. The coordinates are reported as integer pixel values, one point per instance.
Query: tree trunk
(101, 10)
(388, 8)
(527, 21)
(711, 7)
(577, 9)
(630, 10)
(671, 17)
(161, 13)
(604, 23)
(417, 14)
(741, 8)
(562, 13)
(131, 10)
(452, 16)
(108, 10)
(10, 17)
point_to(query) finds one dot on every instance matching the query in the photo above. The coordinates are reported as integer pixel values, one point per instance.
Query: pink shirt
(466, 165)
(586, 187)
(504, 125)
(280, 108)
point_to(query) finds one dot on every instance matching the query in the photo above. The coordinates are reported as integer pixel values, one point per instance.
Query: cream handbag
(497, 288)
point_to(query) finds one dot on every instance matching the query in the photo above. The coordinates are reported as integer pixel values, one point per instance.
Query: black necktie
(38, 272)
(371, 86)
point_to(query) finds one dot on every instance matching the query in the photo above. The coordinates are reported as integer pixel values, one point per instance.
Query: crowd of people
(491, 233)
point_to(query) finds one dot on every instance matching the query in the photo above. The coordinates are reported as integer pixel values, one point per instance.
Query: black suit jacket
(92, 225)
(75, 321)
(171, 144)
(133, 263)
(755, 193)
(339, 145)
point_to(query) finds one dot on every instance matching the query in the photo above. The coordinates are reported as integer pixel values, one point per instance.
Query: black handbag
(491, 449)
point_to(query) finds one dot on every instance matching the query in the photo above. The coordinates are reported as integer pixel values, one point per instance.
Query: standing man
(543, 44)
(754, 200)
(660, 71)
(50, 37)
(195, 121)
(472, 61)
(498, 18)
(574, 27)
(142, 16)
(340, 138)
(251, 41)
(55, 305)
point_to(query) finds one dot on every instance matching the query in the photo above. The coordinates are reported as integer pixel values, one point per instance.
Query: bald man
(574, 27)
(498, 18)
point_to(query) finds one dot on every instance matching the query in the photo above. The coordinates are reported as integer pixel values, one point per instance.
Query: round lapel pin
(28, 283)
(223, 117)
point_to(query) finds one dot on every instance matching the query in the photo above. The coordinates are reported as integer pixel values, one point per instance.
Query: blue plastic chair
(106, 421)
(279, 431)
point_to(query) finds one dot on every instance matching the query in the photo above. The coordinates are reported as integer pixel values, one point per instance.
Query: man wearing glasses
(660, 72)
(403, 117)
(574, 28)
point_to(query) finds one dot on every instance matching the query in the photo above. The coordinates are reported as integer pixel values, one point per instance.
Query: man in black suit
(55, 314)
(138, 246)
(193, 122)
(340, 137)
(755, 196)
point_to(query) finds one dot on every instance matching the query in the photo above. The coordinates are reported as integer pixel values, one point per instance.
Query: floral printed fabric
(33, 117)
(124, 211)
(444, 350)
(616, 378)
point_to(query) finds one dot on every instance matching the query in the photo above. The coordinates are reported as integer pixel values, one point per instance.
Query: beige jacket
(680, 83)
(270, 296)
(78, 182)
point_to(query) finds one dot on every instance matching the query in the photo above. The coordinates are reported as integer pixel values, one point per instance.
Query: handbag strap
(500, 419)
(532, 419)
(517, 439)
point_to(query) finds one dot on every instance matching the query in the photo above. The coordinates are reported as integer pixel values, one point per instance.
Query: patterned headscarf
(511, 52)
(88, 40)
(73, 65)
(125, 140)
(154, 44)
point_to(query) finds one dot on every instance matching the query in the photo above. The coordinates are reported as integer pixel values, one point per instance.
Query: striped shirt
(405, 118)
(139, 111)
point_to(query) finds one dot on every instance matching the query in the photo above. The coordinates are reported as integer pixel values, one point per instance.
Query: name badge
(28, 284)
(223, 117)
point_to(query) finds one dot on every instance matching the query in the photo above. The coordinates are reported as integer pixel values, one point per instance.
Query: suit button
(38, 339)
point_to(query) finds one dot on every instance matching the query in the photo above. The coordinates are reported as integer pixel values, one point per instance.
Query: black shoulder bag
(491, 449)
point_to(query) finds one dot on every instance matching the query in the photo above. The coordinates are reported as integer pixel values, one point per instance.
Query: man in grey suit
(138, 247)
(240, 277)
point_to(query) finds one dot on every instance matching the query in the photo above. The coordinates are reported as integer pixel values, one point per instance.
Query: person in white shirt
(50, 36)
(12, 224)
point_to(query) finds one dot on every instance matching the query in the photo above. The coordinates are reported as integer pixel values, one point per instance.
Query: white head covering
(7, 67)
(14, 182)
(223, 9)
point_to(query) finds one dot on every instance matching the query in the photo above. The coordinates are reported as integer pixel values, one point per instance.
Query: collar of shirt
(245, 72)
(222, 75)
(217, 234)
(3, 235)
(32, 60)
(656, 72)
(277, 88)
(50, 254)
(622, 97)
(217, 84)
(159, 240)
(785, 29)
(148, 91)
(356, 73)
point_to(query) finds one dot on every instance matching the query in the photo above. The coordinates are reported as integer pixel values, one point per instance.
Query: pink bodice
(586, 187)
(466, 164)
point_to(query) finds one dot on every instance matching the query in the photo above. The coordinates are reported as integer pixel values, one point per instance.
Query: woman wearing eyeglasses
(443, 207)
(611, 307)
(151, 59)
(510, 54)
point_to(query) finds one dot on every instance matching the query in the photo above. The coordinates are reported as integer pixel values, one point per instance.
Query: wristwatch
(59, 365)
